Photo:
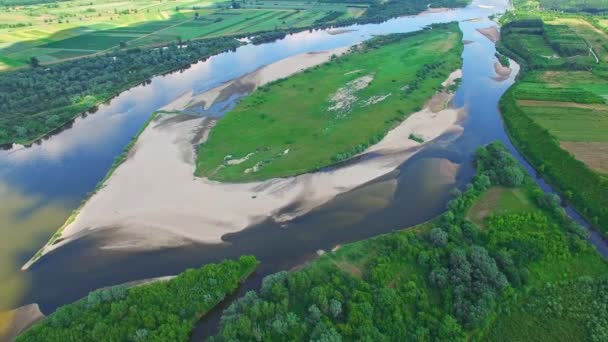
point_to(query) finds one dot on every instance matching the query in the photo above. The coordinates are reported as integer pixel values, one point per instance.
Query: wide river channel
(42, 184)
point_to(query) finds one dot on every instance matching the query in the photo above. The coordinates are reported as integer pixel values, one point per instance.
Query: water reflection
(60, 171)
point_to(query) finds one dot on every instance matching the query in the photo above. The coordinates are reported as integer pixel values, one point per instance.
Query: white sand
(16, 321)
(153, 200)
(491, 33)
(281, 69)
(502, 72)
(456, 74)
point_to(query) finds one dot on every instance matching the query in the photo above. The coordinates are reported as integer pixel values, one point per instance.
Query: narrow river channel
(42, 184)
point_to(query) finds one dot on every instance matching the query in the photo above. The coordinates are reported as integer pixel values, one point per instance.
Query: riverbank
(300, 125)
(14, 322)
(153, 201)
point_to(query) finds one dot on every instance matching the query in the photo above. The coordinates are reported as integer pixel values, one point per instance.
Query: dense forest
(36, 100)
(448, 280)
(161, 311)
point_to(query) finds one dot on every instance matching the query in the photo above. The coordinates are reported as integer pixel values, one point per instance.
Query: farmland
(53, 32)
(557, 113)
(319, 124)
(447, 280)
(589, 6)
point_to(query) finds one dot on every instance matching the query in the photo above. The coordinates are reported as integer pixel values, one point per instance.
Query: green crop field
(572, 124)
(66, 29)
(295, 125)
(557, 113)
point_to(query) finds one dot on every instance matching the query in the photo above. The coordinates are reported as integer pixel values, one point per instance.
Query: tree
(34, 62)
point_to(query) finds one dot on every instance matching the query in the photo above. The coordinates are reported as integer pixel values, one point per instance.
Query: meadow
(57, 31)
(589, 6)
(299, 124)
(557, 112)
(446, 280)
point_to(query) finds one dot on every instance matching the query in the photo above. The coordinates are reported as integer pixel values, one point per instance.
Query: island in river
(161, 162)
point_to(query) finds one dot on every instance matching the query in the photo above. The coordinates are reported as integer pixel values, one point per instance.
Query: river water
(42, 184)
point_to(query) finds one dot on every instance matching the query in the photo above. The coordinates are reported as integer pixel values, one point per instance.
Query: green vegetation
(590, 6)
(161, 311)
(557, 114)
(298, 124)
(54, 31)
(36, 101)
(447, 280)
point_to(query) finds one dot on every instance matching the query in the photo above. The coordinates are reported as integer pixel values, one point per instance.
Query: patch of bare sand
(502, 72)
(594, 154)
(491, 33)
(432, 10)
(251, 81)
(456, 74)
(14, 322)
(153, 201)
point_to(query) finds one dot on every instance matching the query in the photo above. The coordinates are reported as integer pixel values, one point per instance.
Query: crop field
(67, 29)
(557, 114)
(589, 6)
(299, 124)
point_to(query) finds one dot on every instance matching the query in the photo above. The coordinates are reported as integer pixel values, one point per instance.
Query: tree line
(441, 282)
(36, 100)
(161, 311)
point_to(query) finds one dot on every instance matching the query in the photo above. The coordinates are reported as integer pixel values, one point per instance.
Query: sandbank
(491, 33)
(153, 200)
(502, 72)
(14, 322)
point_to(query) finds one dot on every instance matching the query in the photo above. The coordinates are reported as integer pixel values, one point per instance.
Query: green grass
(51, 33)
(500, 201)
(577, 88)
(286, 127)
(572, 124)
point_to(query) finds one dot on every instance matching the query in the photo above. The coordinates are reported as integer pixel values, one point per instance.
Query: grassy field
(589, 6)
(299, 124)
(445, 280)
(557, 113)
(67, 29)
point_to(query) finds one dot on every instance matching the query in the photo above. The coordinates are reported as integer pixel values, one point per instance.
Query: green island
(63, 58)
(504, 263)
(296, 125)
(557, 112)
(165, 310)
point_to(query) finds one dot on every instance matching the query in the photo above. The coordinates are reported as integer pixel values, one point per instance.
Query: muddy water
(45, 182)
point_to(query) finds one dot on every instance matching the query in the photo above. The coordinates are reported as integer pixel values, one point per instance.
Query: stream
(42, 184)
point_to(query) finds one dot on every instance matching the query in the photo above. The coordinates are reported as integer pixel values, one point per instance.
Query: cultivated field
(300, 124)
(557, 113)
(67, 29)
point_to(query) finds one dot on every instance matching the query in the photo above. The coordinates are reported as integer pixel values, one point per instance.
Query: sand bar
(152, 200)
(16, 321)
(491, 33)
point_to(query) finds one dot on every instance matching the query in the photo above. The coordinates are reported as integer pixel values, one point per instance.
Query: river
(42, 184)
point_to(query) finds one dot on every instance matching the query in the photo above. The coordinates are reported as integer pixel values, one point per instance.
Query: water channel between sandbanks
(41, 185)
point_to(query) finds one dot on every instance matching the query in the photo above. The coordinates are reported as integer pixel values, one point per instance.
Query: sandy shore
(248, 83)
(153, 200)
(431, 10)
(14, 322)
(491, 33)
(502, 72)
